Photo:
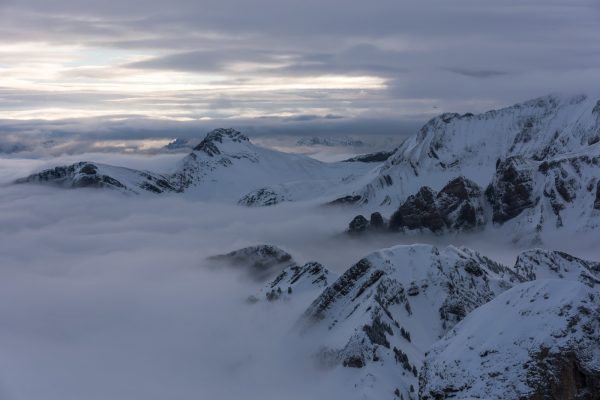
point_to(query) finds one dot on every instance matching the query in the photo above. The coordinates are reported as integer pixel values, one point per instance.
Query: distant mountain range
(532, 167)
(330, 141)
(226, 167)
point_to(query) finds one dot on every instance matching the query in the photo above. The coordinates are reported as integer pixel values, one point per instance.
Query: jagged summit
(209, 144)
(451, 144)
(546, 264)
(385, 311)
(537, 163)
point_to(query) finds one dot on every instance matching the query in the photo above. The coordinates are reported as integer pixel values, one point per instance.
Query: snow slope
(95, 175)
(384, 312)
(226, 167)
(538, 163)
(451, 144)
(538, 340)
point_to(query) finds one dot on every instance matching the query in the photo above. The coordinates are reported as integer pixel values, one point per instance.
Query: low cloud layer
(104, 295)
(40, 138)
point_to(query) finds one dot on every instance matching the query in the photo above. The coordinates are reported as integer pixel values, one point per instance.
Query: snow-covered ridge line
(470, 145)
(226, 167)
(383, 315)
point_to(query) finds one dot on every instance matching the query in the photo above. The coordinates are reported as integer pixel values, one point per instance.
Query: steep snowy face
(538, 340)
(294, 281)
(538, 161)
(545, 264)
(226, 166)
(470, 145)
(384, 312)
(94, 175)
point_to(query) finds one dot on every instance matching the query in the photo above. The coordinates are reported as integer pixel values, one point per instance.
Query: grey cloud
(204, 60)
(476, 73)
(38, 138)
(459, 56)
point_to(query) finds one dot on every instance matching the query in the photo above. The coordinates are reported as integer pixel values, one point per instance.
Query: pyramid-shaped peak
(220, 135)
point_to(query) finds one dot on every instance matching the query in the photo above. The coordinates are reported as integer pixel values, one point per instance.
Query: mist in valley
(106, 295)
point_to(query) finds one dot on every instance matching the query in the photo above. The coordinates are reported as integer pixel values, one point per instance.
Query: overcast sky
(272, 66)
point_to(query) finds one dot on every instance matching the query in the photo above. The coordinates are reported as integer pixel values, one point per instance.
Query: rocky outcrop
(360, 224)
(538, 340)
(419, 211)
(371, 313)
(458, 206)
(294, 280)
(377, 157)
(210, 144)
(92, 175)
(546, 264)
(511, 190)
(561, 375)
(258, 262)
(597, 199)
(262, 197)
(539, 130)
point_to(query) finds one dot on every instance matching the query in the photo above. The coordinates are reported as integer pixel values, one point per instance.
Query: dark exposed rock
(89, 175)
(79, 175)
(89, 169)
(359, 224)
(347, 200)
(380, 156)
(561, 376)
(460, 204)
(543, 264)
(338, 289)
(296, 279)
(208, 144)
(457, 206)
(262, 197)
(376, 221)
(259, 262)
(377, 331)
(419, 211)
(597, 200)
(511, 190)
(353, 362)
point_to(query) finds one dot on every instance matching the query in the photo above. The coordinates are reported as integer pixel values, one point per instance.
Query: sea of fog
(107, 296)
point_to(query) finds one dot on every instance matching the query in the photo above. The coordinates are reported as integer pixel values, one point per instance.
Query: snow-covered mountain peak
(386, 310)
(450, 145)
(218, 140)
